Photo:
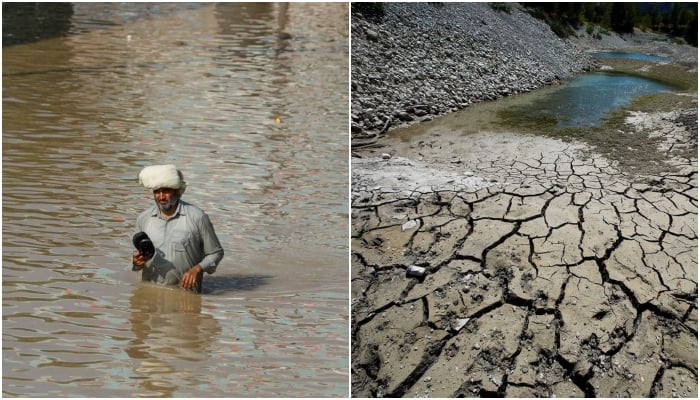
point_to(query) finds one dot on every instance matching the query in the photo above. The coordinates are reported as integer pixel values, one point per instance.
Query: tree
(691, 31)
(675, 18)
(622, 17)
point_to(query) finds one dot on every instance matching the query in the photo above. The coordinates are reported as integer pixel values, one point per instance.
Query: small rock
(372, 35)
(404, 116)
(386, 156)
(410, 224)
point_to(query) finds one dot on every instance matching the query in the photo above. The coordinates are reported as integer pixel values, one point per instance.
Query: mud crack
(547, 275)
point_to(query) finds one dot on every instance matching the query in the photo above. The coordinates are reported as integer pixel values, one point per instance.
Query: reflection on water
(250, 100)
(168, 330)
(30, 22)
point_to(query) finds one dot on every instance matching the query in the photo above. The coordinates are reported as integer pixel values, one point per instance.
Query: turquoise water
(585, 100)
(631, 56)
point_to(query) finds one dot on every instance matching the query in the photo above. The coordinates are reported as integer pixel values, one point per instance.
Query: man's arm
(213, 252)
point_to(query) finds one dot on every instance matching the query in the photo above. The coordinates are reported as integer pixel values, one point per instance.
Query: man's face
(166, 198)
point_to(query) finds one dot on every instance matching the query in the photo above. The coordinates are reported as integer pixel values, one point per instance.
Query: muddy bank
(427, 59)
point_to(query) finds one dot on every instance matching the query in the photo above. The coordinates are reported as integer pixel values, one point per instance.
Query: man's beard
(169, 205)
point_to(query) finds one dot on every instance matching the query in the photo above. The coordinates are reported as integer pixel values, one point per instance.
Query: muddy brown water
(250, 101)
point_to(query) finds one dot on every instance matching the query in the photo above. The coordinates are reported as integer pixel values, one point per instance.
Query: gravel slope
(428, 59)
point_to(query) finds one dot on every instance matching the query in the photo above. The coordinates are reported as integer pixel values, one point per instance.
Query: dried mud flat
(549, 272)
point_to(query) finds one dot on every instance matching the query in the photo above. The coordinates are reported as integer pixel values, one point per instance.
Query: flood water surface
(250, 101)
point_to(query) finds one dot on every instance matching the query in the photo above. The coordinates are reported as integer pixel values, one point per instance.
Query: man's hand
(138, 259)
(189, 278)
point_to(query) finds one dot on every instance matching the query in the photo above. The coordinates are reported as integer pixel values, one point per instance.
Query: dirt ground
(548, 270)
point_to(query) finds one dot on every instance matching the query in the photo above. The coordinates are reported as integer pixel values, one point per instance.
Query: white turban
(162, 176)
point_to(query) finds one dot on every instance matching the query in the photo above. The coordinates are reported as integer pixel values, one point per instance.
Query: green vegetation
(676, 19)
(505, 7)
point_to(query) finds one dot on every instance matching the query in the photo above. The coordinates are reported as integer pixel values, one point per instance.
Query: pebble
(386, 156)
(410, 224)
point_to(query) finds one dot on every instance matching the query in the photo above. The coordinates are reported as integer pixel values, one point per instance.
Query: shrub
(374, 11)
(505, 7)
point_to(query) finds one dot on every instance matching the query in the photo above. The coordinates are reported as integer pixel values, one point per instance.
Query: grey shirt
(182, 241)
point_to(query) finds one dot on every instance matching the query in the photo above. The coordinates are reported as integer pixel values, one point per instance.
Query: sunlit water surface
(250, 101)
(631, 56)
(582, 102)
(588, 98)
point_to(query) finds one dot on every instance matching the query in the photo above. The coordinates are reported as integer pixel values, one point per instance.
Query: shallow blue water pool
(632, 56)
(585, 100)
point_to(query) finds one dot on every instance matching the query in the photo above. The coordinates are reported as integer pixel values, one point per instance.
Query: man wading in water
(175, 240)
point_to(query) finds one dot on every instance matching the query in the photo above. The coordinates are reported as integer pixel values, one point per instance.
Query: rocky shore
(426, 59)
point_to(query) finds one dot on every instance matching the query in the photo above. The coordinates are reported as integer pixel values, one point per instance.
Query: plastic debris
(458, 324)
(416, 271)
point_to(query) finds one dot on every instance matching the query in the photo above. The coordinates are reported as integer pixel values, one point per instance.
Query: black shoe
(144, 245)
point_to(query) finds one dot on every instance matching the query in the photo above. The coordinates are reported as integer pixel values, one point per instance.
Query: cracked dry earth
(547, 274)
